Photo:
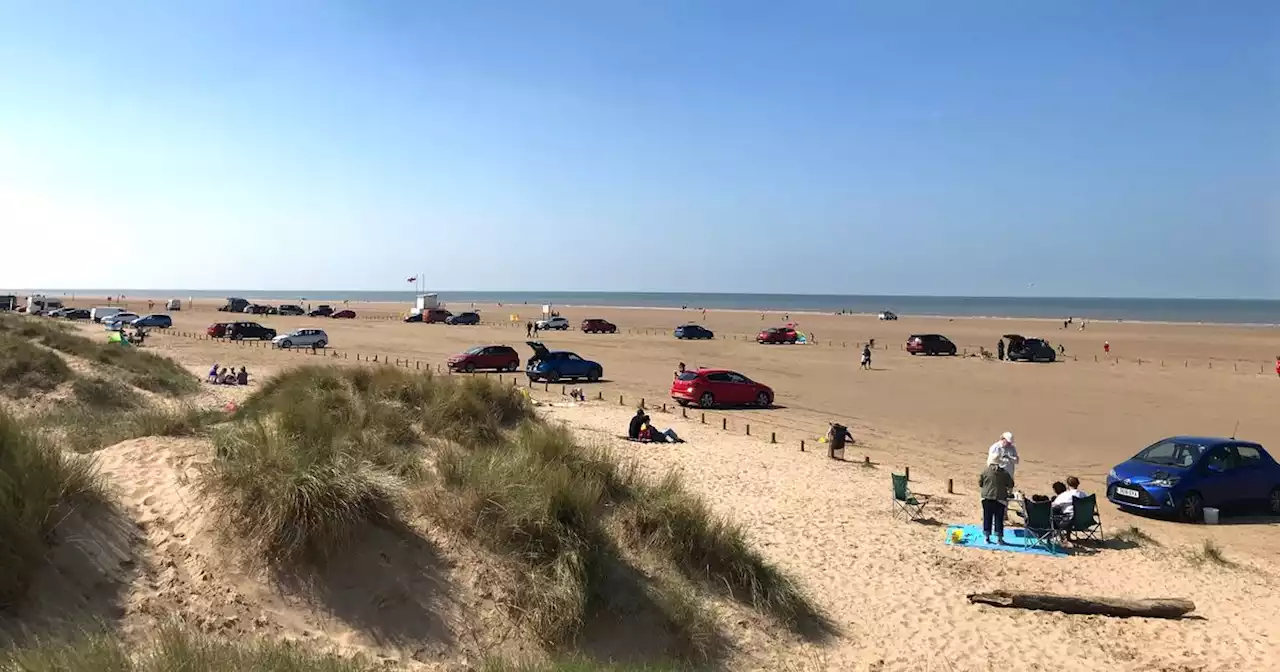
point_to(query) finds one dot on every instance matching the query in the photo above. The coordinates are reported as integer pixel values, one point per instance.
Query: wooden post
(642, 403)
(664, 407)
(866, 459)
(951, 487)
(748, 429)
(773, 437)
(619, 399)
(802, 445)
(704, 418)
(907, 474)
(684, 413)
(562, 390)
(600, 396)
(724, 423)
(546, 387)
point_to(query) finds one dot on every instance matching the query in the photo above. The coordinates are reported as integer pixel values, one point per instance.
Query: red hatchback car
(496, 357)
(719, 387)
(596, 325)
(777, 335)
(344, 315)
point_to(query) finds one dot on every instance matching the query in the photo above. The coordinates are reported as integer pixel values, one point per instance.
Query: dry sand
(895, 588)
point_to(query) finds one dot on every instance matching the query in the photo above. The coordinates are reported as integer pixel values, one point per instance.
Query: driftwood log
(1071, 604)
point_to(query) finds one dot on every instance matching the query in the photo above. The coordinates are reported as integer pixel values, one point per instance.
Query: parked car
(719, 387)
(1181, 475)
(436, 316)
(463, 318)
(157, 321)
(496, 357)
(777, 335)
(102, 312)
(76, 314)
(217, 329)
(412, 317)
(234, 305)
(241, 331)
(291, 309)
(693, 332)
(322, 310)
(1028, 349)
(301, 338)
(57, 312)
(344, 315)
(596, 325)
(261, 309)
(887, 315)
(553, 323)
(930, 344)
(555, 365)
(118, 320)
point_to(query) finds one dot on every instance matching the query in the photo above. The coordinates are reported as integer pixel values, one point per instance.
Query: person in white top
(1004, 453)
(1064, 499)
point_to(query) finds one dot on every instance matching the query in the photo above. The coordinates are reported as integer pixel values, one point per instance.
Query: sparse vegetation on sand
(137, 367)
(26, 368)
(39, 485)
(174, 648)
(84, 428)
(1210, 552)
(319, 451)
(1136, 535)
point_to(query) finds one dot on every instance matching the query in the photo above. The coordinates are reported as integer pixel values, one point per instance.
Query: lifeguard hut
(426, 303)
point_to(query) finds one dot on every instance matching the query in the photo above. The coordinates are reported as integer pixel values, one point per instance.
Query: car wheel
(511, 366)
(1192, 508)
(552, 376)
(1273, 502)
(707, 400)
(595, 374)
(763, 400)
(321, 344)
(913, 353)
(286, 344)
(469, 367)
(682, 402)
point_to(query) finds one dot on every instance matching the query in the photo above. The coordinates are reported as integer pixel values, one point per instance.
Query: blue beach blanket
(1015, 541)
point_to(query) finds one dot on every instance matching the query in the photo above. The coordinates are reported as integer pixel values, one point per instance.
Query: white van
(97, 314)
(173, 304)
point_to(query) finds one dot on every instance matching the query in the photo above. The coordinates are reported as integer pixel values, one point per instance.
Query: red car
(344, 315)
(777, 335)
(719, 387)
(217, 329)
(496, 357)
(596, 325)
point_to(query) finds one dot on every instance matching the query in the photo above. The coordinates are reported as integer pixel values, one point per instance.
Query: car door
(741, 391)
(1251, 477)
(1217, 482)
(575, 366)
(489, 358)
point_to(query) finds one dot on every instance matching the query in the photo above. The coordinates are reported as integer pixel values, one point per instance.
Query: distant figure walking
(1000, 349)
(1106, 347)
(1278, 365)
(528, 329)
(535, 329)
(866, 358)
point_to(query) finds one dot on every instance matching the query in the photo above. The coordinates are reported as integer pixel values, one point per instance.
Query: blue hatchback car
(693, 331)
(555, 365)
(1181, 475)
(156, 321)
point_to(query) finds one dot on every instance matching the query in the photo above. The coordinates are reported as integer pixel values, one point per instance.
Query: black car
(321, 311)
(238, 331)
(463, 318)
(1019, 349)
(413, 317)
(693, 331)
(261, 309)
(291, 309)
(930, 344)
(76, 314)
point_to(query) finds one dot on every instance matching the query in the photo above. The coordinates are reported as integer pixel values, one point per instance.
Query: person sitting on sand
(242, 378)
(1073, 486)
(213, 373)
(638, 420)
(226, 377)
(1063, 505)
(995, 485)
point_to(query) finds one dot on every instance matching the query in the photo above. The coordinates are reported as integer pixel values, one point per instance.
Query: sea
(1213, 311)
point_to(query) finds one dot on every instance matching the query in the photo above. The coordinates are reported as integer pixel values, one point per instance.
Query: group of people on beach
(996, 486)
(225, 376)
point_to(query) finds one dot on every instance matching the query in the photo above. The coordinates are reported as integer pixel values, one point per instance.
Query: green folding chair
(1038, 527)
(905, 504)
(1085, 521)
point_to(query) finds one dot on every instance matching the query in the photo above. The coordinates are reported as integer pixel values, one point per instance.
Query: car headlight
(1167, 482)
(1112, 475)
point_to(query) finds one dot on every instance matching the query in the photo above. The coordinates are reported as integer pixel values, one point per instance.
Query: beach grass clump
(710, 548)
(26, 368)
(173, 647)
(1137, 536)
(85, 428)
(39, 486)
(103, 394)
(1210, 552)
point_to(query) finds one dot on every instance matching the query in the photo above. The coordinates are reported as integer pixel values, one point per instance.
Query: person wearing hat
(1003, 453)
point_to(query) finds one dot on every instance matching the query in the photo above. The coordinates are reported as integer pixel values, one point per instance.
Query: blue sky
(982, 148)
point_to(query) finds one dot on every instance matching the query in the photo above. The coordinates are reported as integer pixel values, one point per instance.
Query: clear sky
(1078, 148)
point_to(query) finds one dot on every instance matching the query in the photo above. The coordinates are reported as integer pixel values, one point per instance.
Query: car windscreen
(1171, 454)
(476, 350)
(687, 376)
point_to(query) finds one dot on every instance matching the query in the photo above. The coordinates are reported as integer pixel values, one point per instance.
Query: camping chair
(1038, 530)
(909, 506)
(1085, 521)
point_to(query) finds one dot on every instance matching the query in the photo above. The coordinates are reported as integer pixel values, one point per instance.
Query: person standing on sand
(528, 329)
(1003, 453)
(1000, 349)
(1278, 365)
(1106, 347)
(995, 485)
(866, 358)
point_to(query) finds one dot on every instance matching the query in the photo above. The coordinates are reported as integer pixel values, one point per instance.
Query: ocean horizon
(1214, 311)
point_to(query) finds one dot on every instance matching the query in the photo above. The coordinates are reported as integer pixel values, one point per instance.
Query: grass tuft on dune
(26, 368)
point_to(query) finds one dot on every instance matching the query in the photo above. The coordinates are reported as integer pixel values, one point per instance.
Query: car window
(687, 375)
(1171, 453)
(718, 377)
(573, 358)
(1248, 455)
(1222, 458)
(738, 378)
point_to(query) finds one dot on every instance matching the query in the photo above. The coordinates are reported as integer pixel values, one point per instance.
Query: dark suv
(1028, 349)
(291, 309)
(323, 310)
(238, 331)
(596, 325)
(930, 344)
(496, 357)
(464, 318)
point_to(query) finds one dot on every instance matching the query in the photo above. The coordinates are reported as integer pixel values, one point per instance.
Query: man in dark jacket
(1000, 349)
(995, 485)
(637, 421)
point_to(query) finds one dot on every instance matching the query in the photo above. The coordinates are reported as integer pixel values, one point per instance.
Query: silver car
(302, 338)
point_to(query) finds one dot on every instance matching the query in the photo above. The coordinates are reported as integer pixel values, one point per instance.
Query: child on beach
(866, 358)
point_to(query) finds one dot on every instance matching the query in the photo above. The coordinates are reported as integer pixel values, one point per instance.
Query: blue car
(157, 321)
(693, 331)
(1183, 474)
(552, 366)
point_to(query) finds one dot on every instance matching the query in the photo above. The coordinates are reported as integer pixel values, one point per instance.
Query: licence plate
(1126, 492)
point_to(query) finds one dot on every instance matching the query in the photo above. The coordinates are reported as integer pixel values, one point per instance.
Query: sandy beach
(895, 589)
